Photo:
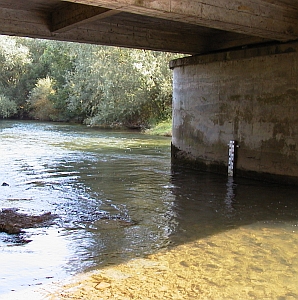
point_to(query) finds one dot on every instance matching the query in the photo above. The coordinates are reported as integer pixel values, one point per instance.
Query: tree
(58, 60)
(111, 85)
(34, 70)
(24, 61)
(7, 107)
(87, 83)
(14, 59)
(42, 108)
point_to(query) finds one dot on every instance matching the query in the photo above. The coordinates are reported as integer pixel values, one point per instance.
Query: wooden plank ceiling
(185, 26)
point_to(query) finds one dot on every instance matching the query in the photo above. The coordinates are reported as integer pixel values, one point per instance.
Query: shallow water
(206, 226)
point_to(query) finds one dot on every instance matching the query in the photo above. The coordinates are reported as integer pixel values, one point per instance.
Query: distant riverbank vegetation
(89, 84)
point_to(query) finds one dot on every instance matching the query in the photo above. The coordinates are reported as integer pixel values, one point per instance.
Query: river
(228, 238)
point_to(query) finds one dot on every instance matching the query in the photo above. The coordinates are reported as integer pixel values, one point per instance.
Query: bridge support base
(248, 95)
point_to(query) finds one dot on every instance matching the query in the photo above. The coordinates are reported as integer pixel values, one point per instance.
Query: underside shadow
(207, 203)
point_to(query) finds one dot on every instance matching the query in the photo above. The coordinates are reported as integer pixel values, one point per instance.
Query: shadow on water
(206, 204)
(167, 208)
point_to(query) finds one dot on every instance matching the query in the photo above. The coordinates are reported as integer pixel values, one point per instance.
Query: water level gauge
(231, 162)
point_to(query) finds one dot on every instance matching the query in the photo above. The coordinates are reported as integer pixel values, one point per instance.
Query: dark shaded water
(92, 179)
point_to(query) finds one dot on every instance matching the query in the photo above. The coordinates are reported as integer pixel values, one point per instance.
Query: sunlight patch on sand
(249, 262)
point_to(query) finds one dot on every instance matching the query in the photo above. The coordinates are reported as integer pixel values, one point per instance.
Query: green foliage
(33, 71)
(7, 107)
(163, 128)
(120, 86)
(97, 85)
(14, 60)
(42, 108)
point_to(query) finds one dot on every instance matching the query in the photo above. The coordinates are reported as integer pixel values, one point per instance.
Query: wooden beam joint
(251, 17)
(72, 15)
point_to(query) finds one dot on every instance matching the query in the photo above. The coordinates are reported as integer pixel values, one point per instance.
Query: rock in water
(10, 228)
(112, 223)
(12, 222)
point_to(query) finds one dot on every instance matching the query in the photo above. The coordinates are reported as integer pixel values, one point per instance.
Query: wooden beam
(132, 35)
(24, 23)
(129, 37)
(72, 15)
(37, 25)
(251, 17)
(153, 39)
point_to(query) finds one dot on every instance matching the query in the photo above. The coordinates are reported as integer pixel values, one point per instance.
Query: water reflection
(230, 195)
(230, 239)
(94, 179)
(207, 204)
(83, 176)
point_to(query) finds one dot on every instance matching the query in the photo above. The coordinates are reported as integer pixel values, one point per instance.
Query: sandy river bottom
(248, 262)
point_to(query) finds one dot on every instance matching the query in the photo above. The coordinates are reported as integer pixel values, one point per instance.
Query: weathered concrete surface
(186, 26)
(250, 96)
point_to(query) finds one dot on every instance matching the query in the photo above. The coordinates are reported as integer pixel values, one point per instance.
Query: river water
(118, 199)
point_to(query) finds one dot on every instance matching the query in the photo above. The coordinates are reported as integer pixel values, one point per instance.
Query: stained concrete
(247, 95)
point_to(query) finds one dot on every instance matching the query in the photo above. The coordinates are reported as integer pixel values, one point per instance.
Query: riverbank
(163, 129)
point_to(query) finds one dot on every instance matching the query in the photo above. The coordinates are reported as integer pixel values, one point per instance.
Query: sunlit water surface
(229, 237)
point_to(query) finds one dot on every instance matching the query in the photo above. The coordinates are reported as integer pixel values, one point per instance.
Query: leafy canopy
(97, 85)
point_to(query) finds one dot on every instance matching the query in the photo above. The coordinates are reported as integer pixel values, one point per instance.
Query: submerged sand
(243, 263)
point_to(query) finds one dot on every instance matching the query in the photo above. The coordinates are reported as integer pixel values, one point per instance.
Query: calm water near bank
(225, 237)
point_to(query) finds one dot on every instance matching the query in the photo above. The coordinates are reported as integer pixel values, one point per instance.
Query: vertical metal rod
(231, 162)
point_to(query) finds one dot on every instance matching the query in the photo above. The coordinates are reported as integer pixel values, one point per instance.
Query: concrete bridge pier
(248, 95)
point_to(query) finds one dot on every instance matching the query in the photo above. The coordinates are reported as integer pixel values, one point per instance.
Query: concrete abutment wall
(248, 95)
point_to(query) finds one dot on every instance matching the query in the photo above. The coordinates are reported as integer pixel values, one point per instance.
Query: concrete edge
(182, 159)
(231, 55)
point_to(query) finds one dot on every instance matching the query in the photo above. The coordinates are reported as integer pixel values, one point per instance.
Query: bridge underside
(189, 26)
